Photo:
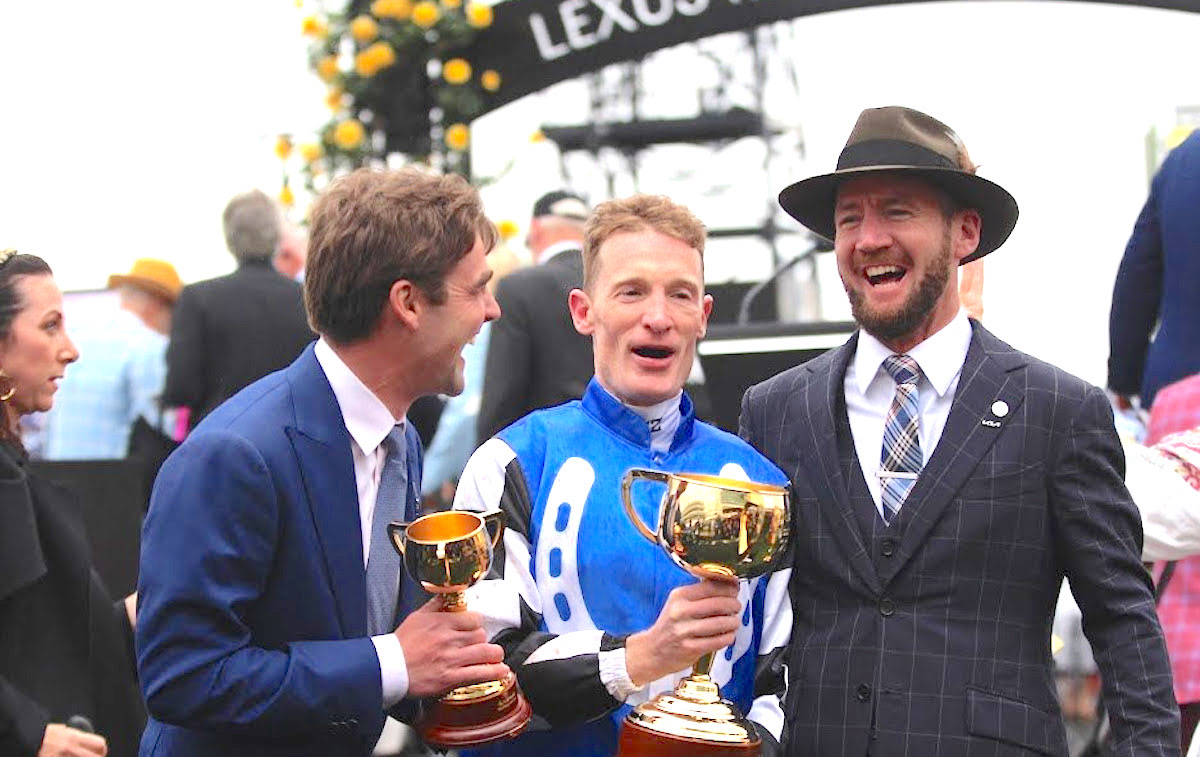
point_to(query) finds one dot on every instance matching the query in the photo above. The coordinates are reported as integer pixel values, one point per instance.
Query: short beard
(914, 312)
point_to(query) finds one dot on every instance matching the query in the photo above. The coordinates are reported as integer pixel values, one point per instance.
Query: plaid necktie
(901, 458)
(383, 562)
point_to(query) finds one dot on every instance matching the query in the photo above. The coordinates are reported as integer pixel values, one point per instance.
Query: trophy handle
(493, 521)
(399, 535)
(627, 485)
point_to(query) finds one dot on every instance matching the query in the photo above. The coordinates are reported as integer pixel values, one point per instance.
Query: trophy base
(692, 721)
(476, 714)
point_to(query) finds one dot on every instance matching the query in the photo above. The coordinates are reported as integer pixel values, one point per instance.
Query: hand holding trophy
(712, 527)
(447, 552)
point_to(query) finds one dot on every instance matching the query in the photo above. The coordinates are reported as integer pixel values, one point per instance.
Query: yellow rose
(374, 59)
(425, 14)
(458, 137)
(490, 80)
(283, 146)
(479, 15)
(537, 136)
(327, 68)
(364, 29)
(335, 98)
(310, 152)
(397, 9)
(349, 134)
(312, 26)
(286, 198)
(507, 229)
(456, 71)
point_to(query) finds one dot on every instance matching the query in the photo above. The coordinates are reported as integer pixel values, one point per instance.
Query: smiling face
(645, 310)
(448, 327)
(37, 351)
(897, 251)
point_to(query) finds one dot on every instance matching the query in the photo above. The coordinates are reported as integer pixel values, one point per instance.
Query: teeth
(880, 270)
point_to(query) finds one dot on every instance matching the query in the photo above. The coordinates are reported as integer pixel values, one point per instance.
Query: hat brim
(811, 201)
(149, 285)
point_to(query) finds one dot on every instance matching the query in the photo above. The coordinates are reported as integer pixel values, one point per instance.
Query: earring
(11, 390)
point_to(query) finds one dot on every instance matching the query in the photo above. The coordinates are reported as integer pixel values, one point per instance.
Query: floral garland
(396, 83)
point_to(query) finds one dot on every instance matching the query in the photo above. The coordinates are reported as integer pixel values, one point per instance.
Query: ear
(706, 305)
(966, 227)
(407, 303)
(580, 306)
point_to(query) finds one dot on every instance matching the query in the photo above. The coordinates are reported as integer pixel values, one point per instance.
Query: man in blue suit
(273, 615)
(1156, 285)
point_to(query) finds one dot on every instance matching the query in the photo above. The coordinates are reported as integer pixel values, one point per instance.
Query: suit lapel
(823, 402)
(971, 429)
(322, 447)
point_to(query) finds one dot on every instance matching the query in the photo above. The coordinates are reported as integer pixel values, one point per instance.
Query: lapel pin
(999, 408)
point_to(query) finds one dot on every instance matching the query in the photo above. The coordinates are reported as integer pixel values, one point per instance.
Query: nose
(655, 316)
(491, 310)
(873, 233)
(69, 353)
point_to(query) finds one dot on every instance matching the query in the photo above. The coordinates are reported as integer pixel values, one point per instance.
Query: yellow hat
(155, 276)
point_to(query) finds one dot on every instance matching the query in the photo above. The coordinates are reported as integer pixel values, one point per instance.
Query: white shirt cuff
(615, 676)
(393, 670)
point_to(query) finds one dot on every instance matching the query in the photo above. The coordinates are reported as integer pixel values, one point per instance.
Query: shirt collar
(941, 356)
(366, 417)
(618, 418)
(556, 248)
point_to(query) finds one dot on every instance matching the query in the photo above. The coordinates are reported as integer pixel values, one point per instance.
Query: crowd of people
(943, 484)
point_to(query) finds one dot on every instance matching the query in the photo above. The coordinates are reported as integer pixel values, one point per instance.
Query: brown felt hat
(155, 276)
(905, 141)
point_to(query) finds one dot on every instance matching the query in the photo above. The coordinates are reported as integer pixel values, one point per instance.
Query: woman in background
(65, 647)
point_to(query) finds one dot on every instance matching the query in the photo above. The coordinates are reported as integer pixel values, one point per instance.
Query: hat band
(891, 152)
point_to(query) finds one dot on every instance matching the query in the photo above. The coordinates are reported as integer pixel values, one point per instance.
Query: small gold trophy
(447, 552)
(712, 527)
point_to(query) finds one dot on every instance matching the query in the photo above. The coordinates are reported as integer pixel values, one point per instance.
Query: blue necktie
(901, 460)
(383, 562)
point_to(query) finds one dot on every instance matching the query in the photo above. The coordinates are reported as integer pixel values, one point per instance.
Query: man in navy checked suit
(923, 628)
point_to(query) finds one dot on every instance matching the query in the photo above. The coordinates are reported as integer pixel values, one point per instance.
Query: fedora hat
(908, 142)
(158, 277)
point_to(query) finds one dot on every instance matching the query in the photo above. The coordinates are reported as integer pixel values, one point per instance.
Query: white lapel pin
(999, 408)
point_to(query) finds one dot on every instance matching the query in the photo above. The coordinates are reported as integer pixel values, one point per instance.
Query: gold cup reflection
(718, 528)
(447, 552)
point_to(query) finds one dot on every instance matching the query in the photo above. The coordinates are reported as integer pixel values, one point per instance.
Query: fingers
(64, 741)
(708, 587)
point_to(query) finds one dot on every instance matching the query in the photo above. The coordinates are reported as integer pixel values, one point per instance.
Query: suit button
(887, 547)
(886, 607)
(863, 693)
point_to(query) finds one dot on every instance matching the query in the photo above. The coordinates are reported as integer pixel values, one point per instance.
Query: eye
(846, 219)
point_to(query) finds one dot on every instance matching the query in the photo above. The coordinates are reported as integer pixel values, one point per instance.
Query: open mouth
(655, 353)
(883, 274)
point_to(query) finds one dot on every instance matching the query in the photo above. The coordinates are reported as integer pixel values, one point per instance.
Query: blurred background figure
(121, 378)
(292, 255)
(1154, 324)
(455, 439)
(65, 647)
(536, 357)
(232, 330)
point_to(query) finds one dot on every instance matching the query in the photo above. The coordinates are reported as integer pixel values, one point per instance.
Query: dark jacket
(228, 332)
(64, 644)
(535, 357)
(931, 636)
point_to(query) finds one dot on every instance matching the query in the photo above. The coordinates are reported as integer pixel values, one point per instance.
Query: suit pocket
(999, 482)
(1012, 721)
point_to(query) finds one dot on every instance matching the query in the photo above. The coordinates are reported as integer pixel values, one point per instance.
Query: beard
(891, 327)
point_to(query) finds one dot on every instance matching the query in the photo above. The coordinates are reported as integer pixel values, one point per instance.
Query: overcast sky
(128, 125)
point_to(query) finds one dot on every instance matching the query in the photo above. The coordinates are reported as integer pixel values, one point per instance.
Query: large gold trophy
(447, 552)
(712, 527)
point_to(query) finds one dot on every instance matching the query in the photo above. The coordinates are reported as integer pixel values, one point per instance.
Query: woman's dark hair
(13, 266)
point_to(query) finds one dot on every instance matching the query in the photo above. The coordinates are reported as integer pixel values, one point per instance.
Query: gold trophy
(447, 552)
(712, 527)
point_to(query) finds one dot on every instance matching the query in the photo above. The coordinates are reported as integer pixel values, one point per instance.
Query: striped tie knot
(902, 368)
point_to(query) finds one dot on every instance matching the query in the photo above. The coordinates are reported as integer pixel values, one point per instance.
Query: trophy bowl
(447, 552)
(712, 527)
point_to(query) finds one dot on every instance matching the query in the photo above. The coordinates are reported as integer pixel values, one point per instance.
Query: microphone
(80, 723)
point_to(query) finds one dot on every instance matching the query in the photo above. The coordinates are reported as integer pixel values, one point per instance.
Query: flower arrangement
(396, 83)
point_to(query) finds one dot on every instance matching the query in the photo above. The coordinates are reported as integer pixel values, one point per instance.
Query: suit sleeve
(1099, 537)
(22, 722)
(506, 377)
(568, 678)
(185, 382)
(207, 556)
(1137, 294)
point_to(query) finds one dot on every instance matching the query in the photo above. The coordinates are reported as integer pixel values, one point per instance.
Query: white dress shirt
(369, 422)
(869, 390)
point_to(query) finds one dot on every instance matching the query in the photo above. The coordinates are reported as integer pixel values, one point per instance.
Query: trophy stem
(703, 666)
(454, 601)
